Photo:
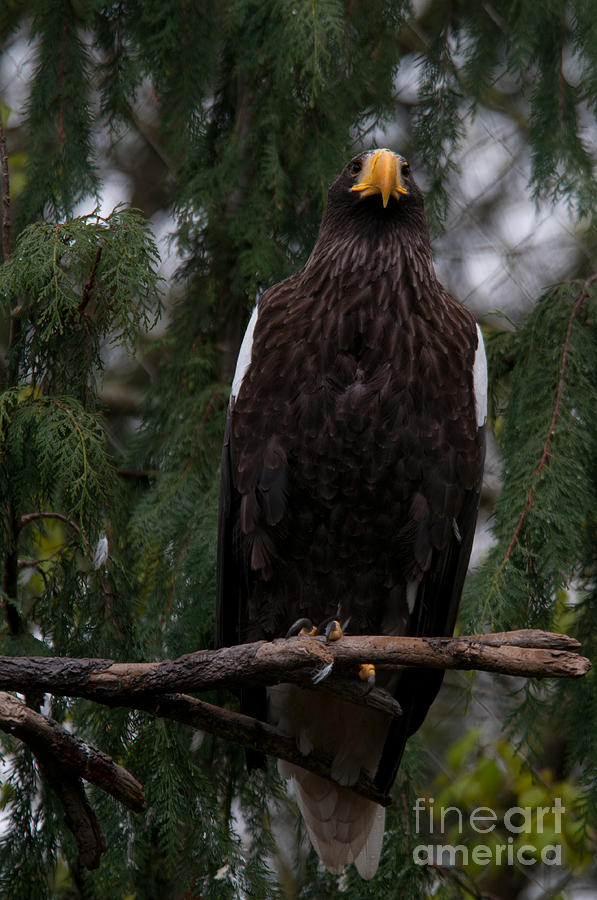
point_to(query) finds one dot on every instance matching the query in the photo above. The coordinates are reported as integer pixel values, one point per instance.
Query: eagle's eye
(405, 169)
(355, 167)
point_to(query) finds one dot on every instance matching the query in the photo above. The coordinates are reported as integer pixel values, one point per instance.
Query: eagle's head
(380, 172)
(374, 192)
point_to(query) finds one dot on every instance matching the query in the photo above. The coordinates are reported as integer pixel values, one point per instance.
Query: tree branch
(79, 815)
(50, 741)
(65, 759)
(241, 729)
(157, 688)
(528, 653)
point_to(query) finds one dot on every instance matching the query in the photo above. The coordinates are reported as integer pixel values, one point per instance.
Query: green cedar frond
(119, 72)
(549, 495)
(439, 125)
(60, 453)
(28, 849)
(61, 170)
(72, 285)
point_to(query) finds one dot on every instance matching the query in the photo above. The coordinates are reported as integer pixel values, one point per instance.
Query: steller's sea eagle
(351, 476)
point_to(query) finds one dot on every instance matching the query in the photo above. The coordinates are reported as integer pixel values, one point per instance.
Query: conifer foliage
(244, 111)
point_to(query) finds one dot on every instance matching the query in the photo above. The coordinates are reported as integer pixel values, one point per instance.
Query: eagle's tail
(343, 826)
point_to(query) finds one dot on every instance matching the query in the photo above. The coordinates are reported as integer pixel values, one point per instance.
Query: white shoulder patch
(244, 355)
(480, 380)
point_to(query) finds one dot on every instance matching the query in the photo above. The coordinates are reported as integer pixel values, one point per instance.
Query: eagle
(351, 475)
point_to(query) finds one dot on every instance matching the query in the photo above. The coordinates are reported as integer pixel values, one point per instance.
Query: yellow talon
(366, 671)
(307, 632)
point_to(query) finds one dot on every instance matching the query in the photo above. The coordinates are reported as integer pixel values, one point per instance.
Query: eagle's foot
(333, 631)
(367, 673)
(331, 628)
(302, 628)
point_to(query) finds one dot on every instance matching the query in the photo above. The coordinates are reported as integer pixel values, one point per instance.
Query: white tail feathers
(343, 826)
(368, 859)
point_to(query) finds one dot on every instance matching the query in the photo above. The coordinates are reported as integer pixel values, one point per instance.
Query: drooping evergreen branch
(6, 242)
(64, 760)
(548, 495)
(10, 567)
(576, 308)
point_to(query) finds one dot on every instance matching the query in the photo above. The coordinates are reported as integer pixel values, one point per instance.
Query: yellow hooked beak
(381, 175)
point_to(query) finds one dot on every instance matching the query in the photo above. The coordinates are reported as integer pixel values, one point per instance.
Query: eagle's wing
(437, 600)
(234, 574)
(417, 688)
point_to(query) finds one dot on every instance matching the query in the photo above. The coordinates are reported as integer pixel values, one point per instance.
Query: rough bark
(528, 653)
(48, 739)
(159, 688)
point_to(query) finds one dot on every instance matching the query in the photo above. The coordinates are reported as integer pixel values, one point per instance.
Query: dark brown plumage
(351, 474)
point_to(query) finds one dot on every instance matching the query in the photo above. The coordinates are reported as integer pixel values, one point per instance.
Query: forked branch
(160, 689)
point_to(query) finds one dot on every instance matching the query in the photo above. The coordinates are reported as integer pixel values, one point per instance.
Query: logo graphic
(516, 824)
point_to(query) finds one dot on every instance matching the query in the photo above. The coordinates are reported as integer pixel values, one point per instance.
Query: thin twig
(36, 563)
(43, 514)
(48, 514)
(139, 474)
(86, 295)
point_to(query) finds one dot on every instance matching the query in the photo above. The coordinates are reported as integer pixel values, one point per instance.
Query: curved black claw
(331, 628)
(301, 627)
